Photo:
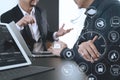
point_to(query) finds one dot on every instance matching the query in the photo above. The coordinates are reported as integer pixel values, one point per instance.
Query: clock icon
(100, 43)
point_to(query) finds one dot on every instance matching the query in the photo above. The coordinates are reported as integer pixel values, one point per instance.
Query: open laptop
(24, 45)
(14, 65)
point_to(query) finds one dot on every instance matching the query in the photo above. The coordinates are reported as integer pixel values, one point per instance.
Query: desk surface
(64, 70)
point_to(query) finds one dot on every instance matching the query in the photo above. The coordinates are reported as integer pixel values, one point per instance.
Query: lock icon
(100, 68)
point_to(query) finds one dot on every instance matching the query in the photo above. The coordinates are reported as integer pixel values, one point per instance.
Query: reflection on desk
(69, 70)
(64, 70)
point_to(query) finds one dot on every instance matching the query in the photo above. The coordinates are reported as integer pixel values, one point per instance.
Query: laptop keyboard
(43, 54)
(22, 72)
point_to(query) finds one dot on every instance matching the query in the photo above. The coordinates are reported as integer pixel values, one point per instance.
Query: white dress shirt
(34, 30)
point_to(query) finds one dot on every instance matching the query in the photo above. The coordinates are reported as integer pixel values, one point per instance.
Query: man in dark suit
(95, 10)
(32, 23)
(97, 49)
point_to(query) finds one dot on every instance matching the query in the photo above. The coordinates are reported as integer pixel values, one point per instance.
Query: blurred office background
(72, 17)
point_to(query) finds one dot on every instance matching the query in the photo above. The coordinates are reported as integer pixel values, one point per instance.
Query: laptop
(24, 45)
(14, 65)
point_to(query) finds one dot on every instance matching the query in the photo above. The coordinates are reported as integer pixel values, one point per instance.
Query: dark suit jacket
(15, 14)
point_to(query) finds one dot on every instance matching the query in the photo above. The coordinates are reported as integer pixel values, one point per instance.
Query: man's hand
(62, 32)
(88, 50)
(25, 21)
(57, 47)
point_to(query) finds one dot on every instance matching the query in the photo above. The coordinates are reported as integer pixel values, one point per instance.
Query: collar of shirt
(33, 27)
(25, 13)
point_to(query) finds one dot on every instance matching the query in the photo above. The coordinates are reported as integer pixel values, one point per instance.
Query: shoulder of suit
(11, 11)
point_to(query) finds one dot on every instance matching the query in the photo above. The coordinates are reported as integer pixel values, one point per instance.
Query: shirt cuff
(54, 37)
(19, 27)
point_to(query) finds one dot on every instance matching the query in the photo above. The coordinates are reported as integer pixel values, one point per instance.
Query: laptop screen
(11, 55)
